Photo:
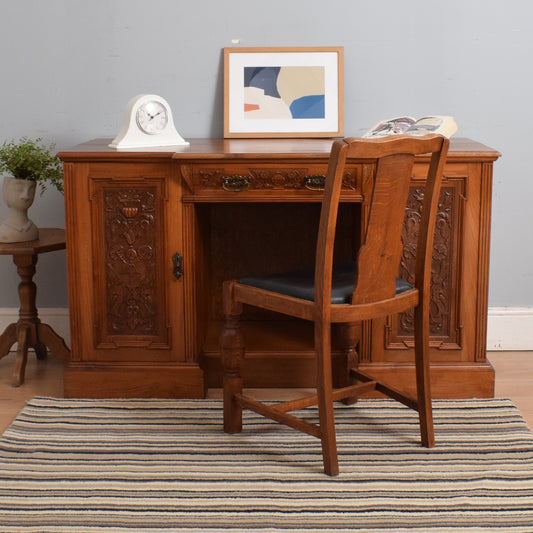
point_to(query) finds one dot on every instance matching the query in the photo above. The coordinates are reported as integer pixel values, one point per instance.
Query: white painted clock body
(148, 123)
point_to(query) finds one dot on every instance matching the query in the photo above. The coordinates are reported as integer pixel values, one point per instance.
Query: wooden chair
(345, 294)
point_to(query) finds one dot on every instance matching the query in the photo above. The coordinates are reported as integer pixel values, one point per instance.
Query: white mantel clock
(148, 123)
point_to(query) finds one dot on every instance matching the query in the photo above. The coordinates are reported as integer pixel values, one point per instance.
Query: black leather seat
(301, 284)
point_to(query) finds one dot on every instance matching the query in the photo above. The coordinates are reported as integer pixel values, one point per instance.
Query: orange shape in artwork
(251, 107)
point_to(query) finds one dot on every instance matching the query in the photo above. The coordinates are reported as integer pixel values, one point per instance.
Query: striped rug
(165, 465)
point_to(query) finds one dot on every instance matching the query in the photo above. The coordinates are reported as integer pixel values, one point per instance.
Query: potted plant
(27, 163)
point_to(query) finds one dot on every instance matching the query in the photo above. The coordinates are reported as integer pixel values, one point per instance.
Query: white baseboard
(508, 328)
(56, 317)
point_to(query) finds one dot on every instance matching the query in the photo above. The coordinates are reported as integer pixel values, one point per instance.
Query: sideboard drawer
(222, 180)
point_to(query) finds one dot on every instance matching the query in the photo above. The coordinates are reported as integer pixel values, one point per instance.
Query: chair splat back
(379, 256)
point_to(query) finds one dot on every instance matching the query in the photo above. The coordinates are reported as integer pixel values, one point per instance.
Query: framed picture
(283, 92)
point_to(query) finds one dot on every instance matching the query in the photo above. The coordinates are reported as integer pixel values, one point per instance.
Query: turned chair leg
(232, 354)
(348, 339)
(325, 398)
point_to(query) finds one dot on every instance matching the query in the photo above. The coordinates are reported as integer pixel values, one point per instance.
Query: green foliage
(26, 160)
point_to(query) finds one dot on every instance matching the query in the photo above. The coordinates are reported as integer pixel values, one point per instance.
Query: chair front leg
(232, 354)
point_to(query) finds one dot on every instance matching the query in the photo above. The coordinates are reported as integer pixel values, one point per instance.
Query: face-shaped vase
(18, 194)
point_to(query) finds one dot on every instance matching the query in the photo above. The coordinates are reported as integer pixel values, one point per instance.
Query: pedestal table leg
(27, 332)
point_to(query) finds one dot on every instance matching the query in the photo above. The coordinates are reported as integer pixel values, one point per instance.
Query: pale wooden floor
(514, 379)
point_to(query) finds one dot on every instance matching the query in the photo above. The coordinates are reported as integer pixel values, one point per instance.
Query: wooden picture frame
(284, 92)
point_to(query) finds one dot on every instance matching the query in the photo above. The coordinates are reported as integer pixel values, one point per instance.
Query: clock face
(152, 117)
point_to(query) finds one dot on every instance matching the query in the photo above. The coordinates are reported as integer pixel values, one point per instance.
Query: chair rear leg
(232, 354)
(325, 398)
(423, 386)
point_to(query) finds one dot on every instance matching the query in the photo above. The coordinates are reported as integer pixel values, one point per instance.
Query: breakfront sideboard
(151, 235)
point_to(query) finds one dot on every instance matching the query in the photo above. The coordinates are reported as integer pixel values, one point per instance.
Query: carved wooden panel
(130, 288)
(445, 323)
(271, 178)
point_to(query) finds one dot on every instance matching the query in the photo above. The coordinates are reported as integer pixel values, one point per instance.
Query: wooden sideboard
(151, 235)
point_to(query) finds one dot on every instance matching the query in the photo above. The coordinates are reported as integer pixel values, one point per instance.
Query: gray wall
(70, 66)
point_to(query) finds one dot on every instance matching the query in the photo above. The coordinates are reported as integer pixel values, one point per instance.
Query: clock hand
(151, 117)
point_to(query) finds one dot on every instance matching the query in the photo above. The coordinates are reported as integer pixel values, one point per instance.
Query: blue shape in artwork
(312, 106)
(265, 78)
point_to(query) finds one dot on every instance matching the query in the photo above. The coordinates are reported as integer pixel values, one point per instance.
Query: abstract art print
(283, 92)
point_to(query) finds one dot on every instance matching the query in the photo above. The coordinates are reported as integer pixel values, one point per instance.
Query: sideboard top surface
(215, 148)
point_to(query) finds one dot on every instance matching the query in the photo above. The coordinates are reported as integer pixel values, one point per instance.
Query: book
(444, 125)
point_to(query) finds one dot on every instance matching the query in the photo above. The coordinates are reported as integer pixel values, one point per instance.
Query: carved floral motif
(270, 178)
(130, 261)
(441, 269)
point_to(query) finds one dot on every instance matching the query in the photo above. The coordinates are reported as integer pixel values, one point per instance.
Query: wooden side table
(29, 332)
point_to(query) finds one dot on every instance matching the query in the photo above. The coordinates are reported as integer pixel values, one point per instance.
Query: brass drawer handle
(236, 183)
(315, 182)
